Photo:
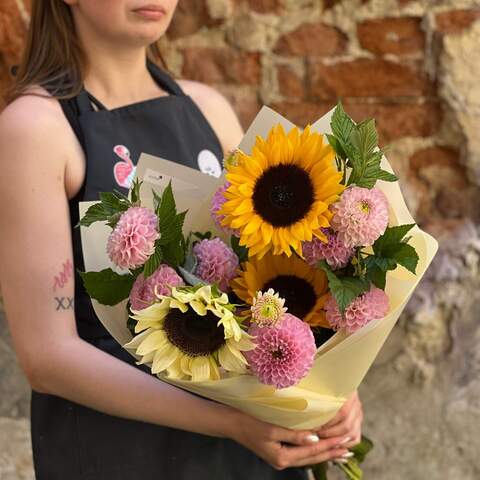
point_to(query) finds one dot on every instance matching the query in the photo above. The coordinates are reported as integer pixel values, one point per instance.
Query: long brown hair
(53, 56)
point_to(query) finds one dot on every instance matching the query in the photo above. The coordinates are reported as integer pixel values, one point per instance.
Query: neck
(117, 75)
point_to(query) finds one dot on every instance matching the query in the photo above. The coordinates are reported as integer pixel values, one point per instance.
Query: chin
(148, 35)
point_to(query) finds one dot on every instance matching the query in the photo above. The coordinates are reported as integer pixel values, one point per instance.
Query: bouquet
(282, 309)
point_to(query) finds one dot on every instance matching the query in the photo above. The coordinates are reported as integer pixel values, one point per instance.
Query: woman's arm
(38, 290)
(36, 267)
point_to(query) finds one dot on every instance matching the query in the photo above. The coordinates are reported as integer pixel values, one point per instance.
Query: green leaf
(135, 192)
(335, 144)
(109, 209)
(107, 286)
(167, 207)
(351, 469)
(365, 138)
(112, 203)
(173, 254)
(390, 250)
(386, 176)
(391, 236)
(153, 261)
(344, 289)
(240, 251)
(342, 125)
(407, 257)
(172, 231)
(320, 471)
(95, 213)
(157, 200)
(376, 274)
(362, 449)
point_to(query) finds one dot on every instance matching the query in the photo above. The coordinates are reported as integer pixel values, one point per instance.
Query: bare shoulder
(34, 105)
(32, 126)
(218, 111)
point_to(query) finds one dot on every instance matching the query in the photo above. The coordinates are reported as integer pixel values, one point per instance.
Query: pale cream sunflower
(304, 288)
(190, 335)
(279, 196)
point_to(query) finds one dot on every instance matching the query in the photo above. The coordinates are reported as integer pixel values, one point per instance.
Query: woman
(85, 105)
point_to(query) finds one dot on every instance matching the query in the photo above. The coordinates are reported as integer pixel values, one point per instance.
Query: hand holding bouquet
(315, 242)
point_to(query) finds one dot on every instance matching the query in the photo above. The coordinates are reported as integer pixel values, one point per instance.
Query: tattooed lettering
(64, 303)
(62, 278)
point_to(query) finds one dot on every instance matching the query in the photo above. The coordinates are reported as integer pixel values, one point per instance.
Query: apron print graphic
(123, 171)
(209, 164)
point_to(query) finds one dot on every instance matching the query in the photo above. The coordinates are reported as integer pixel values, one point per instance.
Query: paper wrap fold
(340, 364)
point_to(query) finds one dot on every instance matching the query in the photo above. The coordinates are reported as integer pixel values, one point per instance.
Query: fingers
(337, 454)
(293, 437)
(349, 424)
(326, 449)
(340, 416)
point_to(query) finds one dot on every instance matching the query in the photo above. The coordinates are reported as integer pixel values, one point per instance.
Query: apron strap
(164, 79)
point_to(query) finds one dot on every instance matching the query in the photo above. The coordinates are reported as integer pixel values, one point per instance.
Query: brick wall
(413, 65)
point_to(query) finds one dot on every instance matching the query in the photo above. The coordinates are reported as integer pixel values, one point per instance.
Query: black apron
(71, 441)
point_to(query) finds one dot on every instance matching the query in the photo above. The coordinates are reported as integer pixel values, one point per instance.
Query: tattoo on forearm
(64, 303)
(62, 278)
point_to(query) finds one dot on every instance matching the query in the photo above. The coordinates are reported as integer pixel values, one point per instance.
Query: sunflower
(190, 334)
(304, 288)
(279, 196)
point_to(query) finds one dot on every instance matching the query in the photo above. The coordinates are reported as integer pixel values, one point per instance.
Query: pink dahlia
(133, 238)
(360, 216)
(283, 354)
(369, 306)
(218, 200)
(335, 253)
(217, 263)
(143, 291)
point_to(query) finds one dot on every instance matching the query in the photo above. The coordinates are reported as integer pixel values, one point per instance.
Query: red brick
(221, 65)
(290, 84)
(327, 4)
(393, 121)
(265, 6)
(314, 39)
(367, 78)
(447, 189)
(189, 17)
(12, 32)
(392, 35)
(398, 120)
(302, 113)
(245, 102)
(456, 21)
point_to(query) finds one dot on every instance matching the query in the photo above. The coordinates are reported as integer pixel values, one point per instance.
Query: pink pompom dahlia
(360, 216)
(162, 279)
(217, 263)
(133, 238)
(283, 354)
(368, 306)
(335, 252)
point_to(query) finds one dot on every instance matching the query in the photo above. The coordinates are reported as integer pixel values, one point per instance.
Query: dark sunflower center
(299, 294)
(193, 334)
(283, 195)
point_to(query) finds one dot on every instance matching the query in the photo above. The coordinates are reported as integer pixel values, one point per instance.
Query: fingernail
(348, 455)
(312, 438)
(341, 460)
(345, 440)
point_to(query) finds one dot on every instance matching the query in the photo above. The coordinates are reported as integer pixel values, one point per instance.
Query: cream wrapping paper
(340, 364)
